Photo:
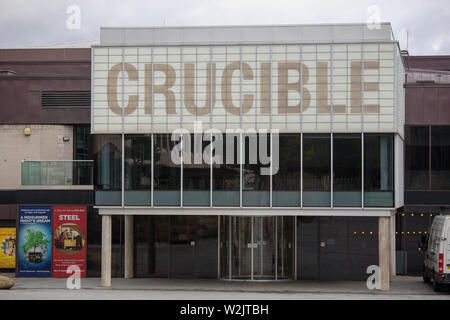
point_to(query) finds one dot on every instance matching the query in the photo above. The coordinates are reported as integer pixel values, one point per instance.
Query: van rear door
(447, 250)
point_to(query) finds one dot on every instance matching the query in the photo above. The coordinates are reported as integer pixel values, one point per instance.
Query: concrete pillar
(384, 252)
(393, 248)
(106, 251)
(129, 246)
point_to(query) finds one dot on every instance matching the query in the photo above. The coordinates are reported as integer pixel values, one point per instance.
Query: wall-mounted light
(66, 139)
(27, 131)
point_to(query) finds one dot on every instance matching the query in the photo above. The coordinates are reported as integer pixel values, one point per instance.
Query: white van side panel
(435, 244)
(438, 243)
(447, 249)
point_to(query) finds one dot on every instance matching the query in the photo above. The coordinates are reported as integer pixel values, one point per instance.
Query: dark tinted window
(286, 180)
(226, 172)
(108, 169)
(167, 173)
(347, 170)
(316, 170)
(417, 155)
(256, 170)
(378, 170)
(440, 158)
(138, 157)
(196, 172)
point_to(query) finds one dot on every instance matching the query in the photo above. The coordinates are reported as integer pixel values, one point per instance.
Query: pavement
(402, 288)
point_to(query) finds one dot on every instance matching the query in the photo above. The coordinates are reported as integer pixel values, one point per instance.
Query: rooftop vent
(66, 98)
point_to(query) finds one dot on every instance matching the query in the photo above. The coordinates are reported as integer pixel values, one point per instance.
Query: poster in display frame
(8, 247)
(69, 240)
(34, 241)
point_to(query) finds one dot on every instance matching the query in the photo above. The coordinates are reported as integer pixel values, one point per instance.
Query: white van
(436, 245)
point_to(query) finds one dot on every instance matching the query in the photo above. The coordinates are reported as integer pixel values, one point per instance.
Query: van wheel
(426, 278)
(436, 286)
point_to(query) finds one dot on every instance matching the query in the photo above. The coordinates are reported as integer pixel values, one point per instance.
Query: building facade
(306, 124)
(249, 152)
(427, 143)
(45, 138)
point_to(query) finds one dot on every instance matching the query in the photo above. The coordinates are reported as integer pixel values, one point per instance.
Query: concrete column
(393, 249)
(106, 251)
(129, 246)
(384, 252)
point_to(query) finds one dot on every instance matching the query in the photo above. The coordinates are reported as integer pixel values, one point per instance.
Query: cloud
(25, 23)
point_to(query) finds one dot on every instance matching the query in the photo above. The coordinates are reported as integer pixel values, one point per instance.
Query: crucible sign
(288, 87)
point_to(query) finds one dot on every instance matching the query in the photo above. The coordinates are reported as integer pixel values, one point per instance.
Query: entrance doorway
(257, 248)
(176, 246)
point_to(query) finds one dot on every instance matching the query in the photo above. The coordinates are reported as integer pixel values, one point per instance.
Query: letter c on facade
(133, 100)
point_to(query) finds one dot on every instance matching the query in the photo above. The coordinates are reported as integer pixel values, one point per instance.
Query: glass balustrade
(57, 173)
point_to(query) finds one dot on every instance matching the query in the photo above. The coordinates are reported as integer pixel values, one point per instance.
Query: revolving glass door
(256, 248)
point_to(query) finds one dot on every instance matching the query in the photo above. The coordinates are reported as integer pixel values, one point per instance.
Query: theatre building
(249, 152)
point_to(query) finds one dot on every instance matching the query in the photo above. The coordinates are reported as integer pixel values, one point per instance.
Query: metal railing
(57, 172)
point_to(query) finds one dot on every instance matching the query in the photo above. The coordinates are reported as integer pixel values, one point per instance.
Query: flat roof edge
(246, 26)
(226, 43)
(296, 33)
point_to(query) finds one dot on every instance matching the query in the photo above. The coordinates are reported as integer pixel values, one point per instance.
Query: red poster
(69, 240)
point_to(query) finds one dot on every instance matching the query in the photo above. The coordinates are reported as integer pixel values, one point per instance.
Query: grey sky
(26, 23)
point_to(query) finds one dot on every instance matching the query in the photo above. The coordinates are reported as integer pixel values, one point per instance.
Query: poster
(34, 248)
(69, 239)
(7, 248)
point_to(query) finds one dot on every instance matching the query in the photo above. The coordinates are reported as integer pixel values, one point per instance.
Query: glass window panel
(182, 245)
(256, 170)
(83, 151)
(440, 158)
(226, 171)
(224, 247)
(108, 169)
(196, 172)
(417, 157)
(137, 170)
(378, 170)
(117, 246)
(285, 247)
(94, 239)
(151, 246)
(167, 174)
(206, 247)
(263, 230)
(241, 252)
(94, 248)
(316, 170)
(347, 170)
(286, 181)
(82, 142)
